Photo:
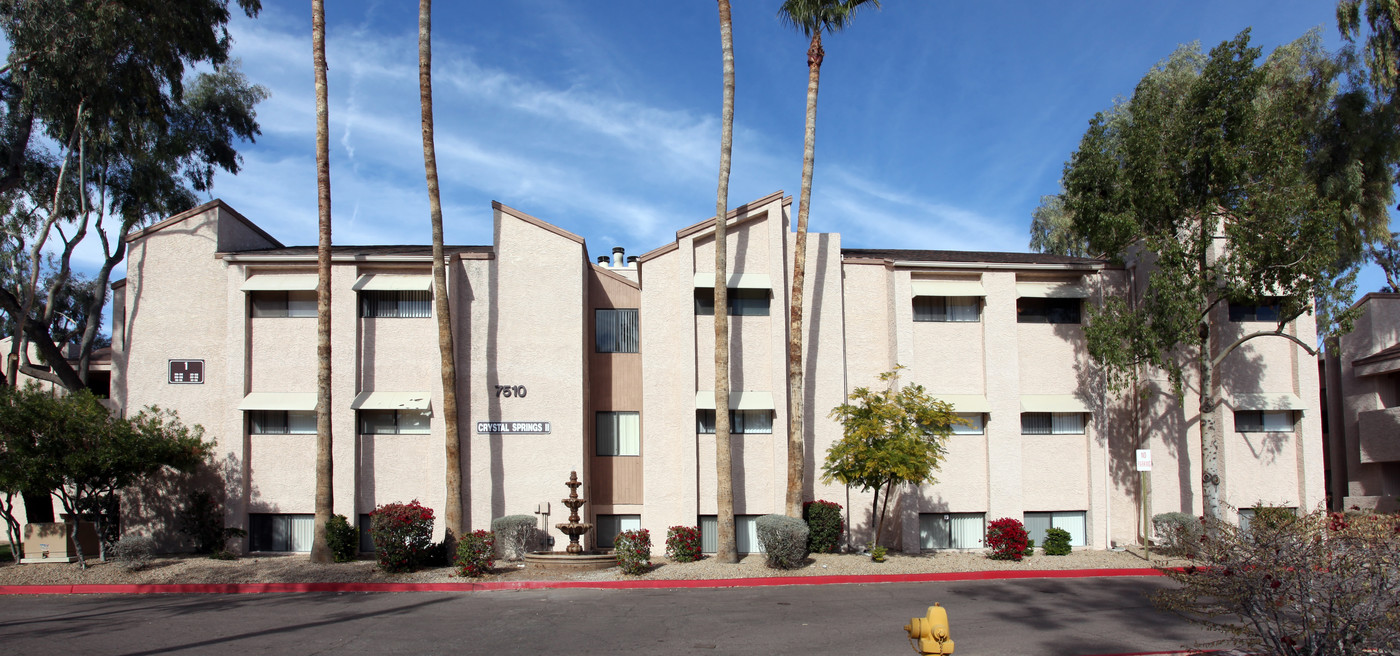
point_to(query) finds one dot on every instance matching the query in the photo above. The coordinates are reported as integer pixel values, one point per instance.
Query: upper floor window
(1047, 310)
(1266, 310)
(615, 331)
(618, 434)
(1263, 421)
(976, 424)
(947, 308)
(740, 422)
(394, 422)
(282, 422)
(283, 303)
(743, 302)
(401, 303)
(1052, 423)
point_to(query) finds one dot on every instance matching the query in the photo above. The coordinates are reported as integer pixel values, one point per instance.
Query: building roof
(1379, 356)
(985, 257)
(417, 250)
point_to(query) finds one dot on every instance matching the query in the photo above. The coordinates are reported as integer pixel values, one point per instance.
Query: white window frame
(741, 422)
(617, 433)
(1270, 421)
(951, 530)
(1076, 522)
(292, 422)
(607, 527)
(281, 304)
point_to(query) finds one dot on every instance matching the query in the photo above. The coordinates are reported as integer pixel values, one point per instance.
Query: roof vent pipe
(631, 261)
(603, 260)
(617, 259)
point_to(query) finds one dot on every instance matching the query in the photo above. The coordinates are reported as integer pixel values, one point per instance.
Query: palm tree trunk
(452, 516)
(727, 549)
(320, 550)
(796, 439)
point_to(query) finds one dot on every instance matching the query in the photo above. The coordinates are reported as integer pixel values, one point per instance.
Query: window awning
(266, 282)
(1051, 290)
(947, 288)
(391, 401)
(736, 280)
(965, 402)
(1284, 401)
(279, 401)
(392, 282)
(1052, 403)
(737, 400)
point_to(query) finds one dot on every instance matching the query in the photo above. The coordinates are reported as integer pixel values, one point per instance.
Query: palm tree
(726, 551)
(453, 516)
(811, 17)
(320, 550)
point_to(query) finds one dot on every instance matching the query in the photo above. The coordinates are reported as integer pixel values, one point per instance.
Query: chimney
(618, 260)
(631, 261)
(602, 260)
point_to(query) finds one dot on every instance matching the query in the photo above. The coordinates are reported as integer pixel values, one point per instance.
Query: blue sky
(940, 124)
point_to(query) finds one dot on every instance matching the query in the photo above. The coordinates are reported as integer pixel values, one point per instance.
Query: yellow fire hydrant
(931, 631)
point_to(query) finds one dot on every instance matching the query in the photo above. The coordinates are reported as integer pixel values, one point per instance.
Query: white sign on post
(1144, 460)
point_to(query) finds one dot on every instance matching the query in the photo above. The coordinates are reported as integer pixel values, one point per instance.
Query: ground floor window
(1247, 515)
(745, 534)
(741, 422)
(952, 530)
(366, 539)
(1264, 421)
(608, 526)
(1037, 523)
(280, 532)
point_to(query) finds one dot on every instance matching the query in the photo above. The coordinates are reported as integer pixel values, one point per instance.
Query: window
(1037, 523)
(366, 539)
(952, 530)
(976, 421)
(745, 534)
(750, 422)
(1263, 421)
(1052, 423)
(270, 532)
(1247, 516)
(615, 331)
(1047, 310)
(1268, 310)
(742, 302)
(618, 434)
(394, 422)
(396, 303)
(283, 303)
(608, 526)
(282, 422)
(948, 308)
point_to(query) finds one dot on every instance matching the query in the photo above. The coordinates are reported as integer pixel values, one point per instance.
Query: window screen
(1037, 523)
(280, 532)
(1263, 421)
(1052, 423)
(283, 303)
(740, 422)
(948, 308)
(281, 422)
(745, 534)
(618, 434)
(396, 303)
(395, 422)
(952, 530)
(615, 331)
(742, 302)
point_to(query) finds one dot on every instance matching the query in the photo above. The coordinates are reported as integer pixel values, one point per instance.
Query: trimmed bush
(476, 553)
(403, 535)
(1178, 533)
(1007, 538)
(343, 539)
(134, 552)
(633, 551)
(1030, 548)
(1057, 542)
(515, 534)
(683, 544)
(784, 541)
(825, 526)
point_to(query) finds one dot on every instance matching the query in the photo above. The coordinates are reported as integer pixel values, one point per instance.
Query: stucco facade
(556, 373)
(1363, 396)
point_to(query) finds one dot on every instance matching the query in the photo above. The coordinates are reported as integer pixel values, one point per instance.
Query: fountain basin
(564, 561)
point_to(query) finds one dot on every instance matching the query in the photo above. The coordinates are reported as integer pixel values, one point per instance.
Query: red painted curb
(256, 588)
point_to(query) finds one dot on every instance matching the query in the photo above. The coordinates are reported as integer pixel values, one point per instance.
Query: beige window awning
(736, 280)
(392, 401)
(275, 282)
(947, 288)
(1284, 401)
(737, 400)
(278, 401)
(1051, 290)
(965, 402)
(1052, 403)
(392, 282)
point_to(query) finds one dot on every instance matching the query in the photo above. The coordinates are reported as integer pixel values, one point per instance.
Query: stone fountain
(574, 557)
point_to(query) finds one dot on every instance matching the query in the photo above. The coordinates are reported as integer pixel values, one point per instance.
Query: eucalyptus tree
(453, 514)
(727, 548)
(811, 18)
(320, 549)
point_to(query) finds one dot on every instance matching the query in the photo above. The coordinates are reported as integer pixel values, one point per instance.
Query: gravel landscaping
(295, 568)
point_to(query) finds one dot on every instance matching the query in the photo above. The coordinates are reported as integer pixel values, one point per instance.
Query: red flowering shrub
(1007, 537)
(633, 551)
(476, 552)
(683, 543)
(825, 525)
(402, 533)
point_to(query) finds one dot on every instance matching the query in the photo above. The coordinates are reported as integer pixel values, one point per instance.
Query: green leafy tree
(22, 466)
(811, 18)
(890, 436)
(1386, 254)
(1216, 176)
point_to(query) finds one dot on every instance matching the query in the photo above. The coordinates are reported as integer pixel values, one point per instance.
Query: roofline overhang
(266, 258)
(1018, 266)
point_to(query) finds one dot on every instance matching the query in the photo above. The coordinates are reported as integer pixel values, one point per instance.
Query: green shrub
(223, 554)
(476, 552)
(1178, 533)
(134, 552)
(515, 534)
(1007, 539)
(202, 521)
(403, 535)
(633, 551)
(1272, 516)
(343, 539)
(1057, 542)
(683, 544)
(784, 541)
(877, 553)
(825, 525)
(1030, 548)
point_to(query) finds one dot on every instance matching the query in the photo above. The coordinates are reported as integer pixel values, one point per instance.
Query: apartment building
(1363, 398)
(607, 369)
